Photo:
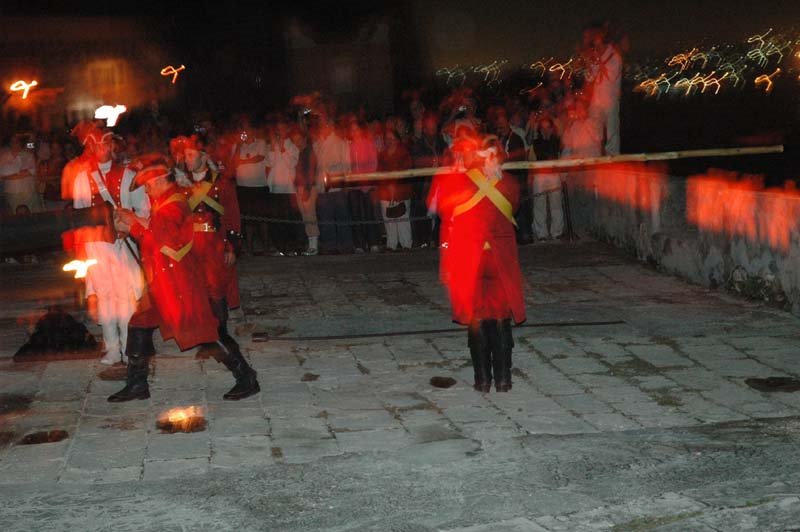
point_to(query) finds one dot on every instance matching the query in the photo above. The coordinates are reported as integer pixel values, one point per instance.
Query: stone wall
(712, 230)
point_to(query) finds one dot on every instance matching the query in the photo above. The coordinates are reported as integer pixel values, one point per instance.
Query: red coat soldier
(176, 301)
(479, 260)
(217, 225)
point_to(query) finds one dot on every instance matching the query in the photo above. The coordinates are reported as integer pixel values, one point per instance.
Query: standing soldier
(115, 283)
(176, 300)
(216, 223)
(479, 260)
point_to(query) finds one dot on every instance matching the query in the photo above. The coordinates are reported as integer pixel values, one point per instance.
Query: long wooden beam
(344, 179)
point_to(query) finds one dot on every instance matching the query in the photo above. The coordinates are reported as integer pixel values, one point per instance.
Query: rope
(269, 219)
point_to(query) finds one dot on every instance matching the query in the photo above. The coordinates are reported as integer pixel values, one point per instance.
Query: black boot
(502, 345)
(231, 357)
(139, 349)
(478, 337)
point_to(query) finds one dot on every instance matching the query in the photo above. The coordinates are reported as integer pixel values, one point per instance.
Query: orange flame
(182, 419)
(722, 203)
(22, 86)
(80, 267)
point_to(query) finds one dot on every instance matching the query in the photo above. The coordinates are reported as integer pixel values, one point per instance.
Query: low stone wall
(712, 230)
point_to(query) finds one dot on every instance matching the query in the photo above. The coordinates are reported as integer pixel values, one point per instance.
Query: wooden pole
(344, 179)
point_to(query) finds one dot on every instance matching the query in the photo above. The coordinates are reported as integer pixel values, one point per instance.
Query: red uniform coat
(176, 301)
(479, 259)
(215, 212)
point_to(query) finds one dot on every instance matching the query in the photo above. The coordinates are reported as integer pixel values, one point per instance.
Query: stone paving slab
(677, 362)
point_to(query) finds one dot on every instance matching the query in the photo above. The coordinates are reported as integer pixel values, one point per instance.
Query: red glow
(23, 86)
(633, 184)
(720, 202)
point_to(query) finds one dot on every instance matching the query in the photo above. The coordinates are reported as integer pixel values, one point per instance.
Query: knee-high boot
(502, 345)
(139, 348)
(478, 339)
(229, 354)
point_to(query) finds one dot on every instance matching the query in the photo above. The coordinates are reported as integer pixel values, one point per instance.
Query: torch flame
(80, 267)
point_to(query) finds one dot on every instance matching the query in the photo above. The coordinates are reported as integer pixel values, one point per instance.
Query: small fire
(80, 267)
(182, 419)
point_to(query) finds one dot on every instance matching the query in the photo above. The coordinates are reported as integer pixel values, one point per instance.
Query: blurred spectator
(333, 158)
(250, 161)
(603, 60)
(546, 147)
(18, 175)
(282, 162)
(513, 146)
(363, 159)
(395, 196)
(305, 183)
(50, 175)
(428, 151)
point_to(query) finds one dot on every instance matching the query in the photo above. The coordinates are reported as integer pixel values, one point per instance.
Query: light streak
(109, 114)
(759, 38)
(682, 59)
(563, 68)
(451, 73)
(170, 70)
(767, 79)
(710, 80)
(541, 64)
(80, 267)
(20, 85)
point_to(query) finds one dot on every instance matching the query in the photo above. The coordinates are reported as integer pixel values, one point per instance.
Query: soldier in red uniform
(217, 226)
(176, 300)
(479, 260)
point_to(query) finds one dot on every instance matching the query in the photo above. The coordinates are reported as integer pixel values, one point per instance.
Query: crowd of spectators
(280, 161)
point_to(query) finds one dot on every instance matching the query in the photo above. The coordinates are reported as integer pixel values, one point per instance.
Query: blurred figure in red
(217, 225)
(479, 260)
(176, 300)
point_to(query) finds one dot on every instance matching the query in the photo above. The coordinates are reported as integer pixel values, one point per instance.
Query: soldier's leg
(227, 353)
(478, 336)
(502, 345)
(139, 349)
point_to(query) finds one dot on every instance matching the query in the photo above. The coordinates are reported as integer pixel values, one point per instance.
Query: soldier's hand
(230, 257)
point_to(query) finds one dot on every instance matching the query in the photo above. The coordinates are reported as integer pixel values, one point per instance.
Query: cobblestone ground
(630, 410)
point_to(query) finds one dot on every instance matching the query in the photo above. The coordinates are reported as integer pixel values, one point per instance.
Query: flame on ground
(182, 419)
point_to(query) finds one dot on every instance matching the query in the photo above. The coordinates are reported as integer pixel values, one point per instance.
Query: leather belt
(204, 228)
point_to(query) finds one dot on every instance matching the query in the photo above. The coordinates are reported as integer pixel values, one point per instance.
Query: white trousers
(398, 230)
(117, 282)
(541, 183)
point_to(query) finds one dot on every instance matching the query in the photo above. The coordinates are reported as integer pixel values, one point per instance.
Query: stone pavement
(629, 411)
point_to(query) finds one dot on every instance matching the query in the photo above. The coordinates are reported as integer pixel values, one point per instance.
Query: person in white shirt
(333, 157)
(18, 176)
(250, 160)
(282, 162)
(115, 283)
